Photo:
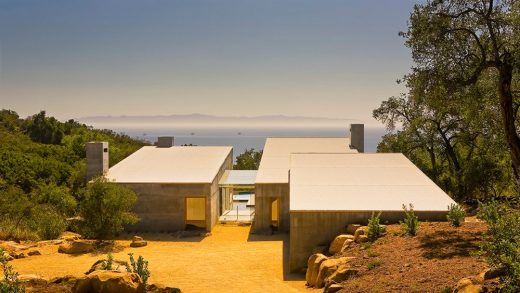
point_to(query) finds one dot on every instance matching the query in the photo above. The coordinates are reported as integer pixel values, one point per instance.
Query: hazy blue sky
(312, 58)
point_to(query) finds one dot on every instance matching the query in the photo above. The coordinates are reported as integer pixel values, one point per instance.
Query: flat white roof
(276, 157)
(177, 164)
(238, 177)
(361, 182)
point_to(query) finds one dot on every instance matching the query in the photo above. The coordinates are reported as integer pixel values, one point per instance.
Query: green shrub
(374, 228)
(105, 208)
(374, 264)
(455, 215)
(10, 282)
(49, 224)
(410, 224)
(10, 231)
(140, 267)
(501, 244)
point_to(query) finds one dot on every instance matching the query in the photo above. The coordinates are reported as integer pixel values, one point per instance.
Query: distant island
(203, 120)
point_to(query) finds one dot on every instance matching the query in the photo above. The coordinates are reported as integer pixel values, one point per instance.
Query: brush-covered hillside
(42, 171)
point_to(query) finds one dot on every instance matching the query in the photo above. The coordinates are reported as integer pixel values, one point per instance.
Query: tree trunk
(508, 116)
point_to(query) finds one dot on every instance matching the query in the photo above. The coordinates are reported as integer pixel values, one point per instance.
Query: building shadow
(284, 237)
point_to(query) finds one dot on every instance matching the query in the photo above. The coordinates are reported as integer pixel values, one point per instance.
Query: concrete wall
(264, 195)
(312, 229)
(214, 202)
(162, 208)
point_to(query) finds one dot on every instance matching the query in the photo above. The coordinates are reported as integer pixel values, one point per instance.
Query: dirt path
(231, 260)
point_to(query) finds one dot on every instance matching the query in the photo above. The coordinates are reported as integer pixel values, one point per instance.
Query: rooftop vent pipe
(357, 137)
(97, 159)
(165, 141)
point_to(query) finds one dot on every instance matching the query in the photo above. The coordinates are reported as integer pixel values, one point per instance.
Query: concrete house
(272, 194)
(177, 186)
(329, 191)
(309, 187)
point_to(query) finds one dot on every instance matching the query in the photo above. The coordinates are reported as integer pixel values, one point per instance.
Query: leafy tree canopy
(248, 160)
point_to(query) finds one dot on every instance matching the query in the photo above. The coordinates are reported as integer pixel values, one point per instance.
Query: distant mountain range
(202, 120)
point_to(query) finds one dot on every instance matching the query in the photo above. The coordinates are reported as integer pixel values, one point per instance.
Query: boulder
(64, 279)
(49, 242)
(117, 265)
(487, 274)
(32, 279)
(351, 228)
(341, 274)
(493, 273)
(333, 288)
(360, 232)
(76, 247)
(163, 289)
(138, 243)
(11, 246)
(109, 282)
(362, 238)
(329, 267)
(33, 253)
(69, 236)
(18, 254)
(313, 268)
(346, 245)
(137, 238)
(466, 285)
(337, 243)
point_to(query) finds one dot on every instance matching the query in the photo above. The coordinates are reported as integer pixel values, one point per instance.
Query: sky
(72, 58)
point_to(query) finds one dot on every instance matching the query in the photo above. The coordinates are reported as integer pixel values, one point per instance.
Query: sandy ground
(230, 260)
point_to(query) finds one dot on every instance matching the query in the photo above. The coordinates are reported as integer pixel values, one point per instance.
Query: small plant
(447, 290)
(140, 267)
(455, 215)
(375, 230)
(410, 224)
(108, 263)
(10, 282)
(501, 244)
(374, 264)
(372, 253)
(365, 245)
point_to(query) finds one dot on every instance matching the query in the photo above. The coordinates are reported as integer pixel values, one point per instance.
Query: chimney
(97, 159)
(165, 141)
(357, 137)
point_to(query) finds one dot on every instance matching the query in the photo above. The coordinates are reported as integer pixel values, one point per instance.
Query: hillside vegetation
(42, 171)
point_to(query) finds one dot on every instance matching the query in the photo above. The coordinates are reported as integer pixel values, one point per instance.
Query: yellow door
(275, 212)
(196, 211)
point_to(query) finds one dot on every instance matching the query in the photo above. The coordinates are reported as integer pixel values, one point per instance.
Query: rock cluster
(323, 271)
(76, 246)
(138, 242)
(474, 284)
(13, 250)
(117, 265)
(109, 282)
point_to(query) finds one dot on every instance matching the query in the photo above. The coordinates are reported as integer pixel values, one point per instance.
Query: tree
(453, 140)
(458, 42)
(248, 160)
(44, 130)
(105, 208)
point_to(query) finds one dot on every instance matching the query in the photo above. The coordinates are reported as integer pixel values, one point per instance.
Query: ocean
(245, 138)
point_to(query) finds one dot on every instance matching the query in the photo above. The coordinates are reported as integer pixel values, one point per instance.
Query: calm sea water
(242, 139)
